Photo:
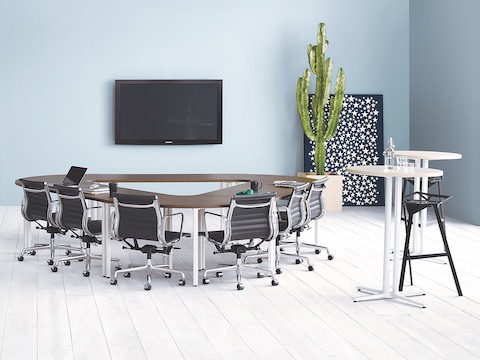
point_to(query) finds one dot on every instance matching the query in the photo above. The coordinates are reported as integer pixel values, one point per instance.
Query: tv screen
(168, 112)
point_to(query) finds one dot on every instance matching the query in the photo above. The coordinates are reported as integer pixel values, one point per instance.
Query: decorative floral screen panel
(358, 141)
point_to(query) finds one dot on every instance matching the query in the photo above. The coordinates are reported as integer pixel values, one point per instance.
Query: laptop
(74, 176)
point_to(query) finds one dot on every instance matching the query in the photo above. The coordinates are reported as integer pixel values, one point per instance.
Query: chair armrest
(89, 210)
(223, 217)
(172, 215)
(54, 205)
(113, 235)
(283, 217)
(215, 214)
(165, 217)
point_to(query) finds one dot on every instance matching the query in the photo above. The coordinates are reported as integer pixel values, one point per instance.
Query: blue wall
(59, 60)
(444, 95)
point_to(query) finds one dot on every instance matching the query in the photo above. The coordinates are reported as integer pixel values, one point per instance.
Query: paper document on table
(96, 189)
(286, 183)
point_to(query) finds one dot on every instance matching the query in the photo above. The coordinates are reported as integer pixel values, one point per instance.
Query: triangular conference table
(390, 285)
(230, 185)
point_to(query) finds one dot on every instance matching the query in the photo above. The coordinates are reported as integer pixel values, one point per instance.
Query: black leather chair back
(316, 200)
(251, 217)
(297, 207)
(36, 200)
(137, 217)
(72, 207)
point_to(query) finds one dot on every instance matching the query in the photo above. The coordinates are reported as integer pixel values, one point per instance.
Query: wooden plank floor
(310, 315)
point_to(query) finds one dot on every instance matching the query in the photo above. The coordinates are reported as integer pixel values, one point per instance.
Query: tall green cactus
(316, 127)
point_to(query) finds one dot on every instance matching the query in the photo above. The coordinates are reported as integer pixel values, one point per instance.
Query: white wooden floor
(310, 315)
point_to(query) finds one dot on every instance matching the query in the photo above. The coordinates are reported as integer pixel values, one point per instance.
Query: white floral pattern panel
(358, 141)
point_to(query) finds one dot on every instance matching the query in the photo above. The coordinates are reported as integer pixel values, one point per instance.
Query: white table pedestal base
(375, 294)
(393, 199)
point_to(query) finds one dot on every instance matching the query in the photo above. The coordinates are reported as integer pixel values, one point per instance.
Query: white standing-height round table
(390, 288)
(422, 159)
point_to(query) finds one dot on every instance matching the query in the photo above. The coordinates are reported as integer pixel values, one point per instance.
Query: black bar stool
(414, 203)
(409, 182)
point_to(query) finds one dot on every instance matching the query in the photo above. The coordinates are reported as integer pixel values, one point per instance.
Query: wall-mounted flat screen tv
(168, 112)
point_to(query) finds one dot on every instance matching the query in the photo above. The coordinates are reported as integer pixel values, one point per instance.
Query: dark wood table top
(212, 199)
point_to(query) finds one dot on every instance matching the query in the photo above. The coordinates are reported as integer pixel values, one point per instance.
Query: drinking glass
(402, 162)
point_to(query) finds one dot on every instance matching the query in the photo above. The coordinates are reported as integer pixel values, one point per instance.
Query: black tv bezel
(122, 141)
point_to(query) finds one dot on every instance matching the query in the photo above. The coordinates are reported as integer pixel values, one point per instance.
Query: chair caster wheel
(20, 258)
(330, 257)
(260, 275)
(50, 262)
(259, 260)
(240, 287)
(168, 275)
(68, 252)
(147, 287)
(67, 263)
(118, 268)
(181, 282)
(219, 274)
(279, 271)
(54, 268)
(127, 274)
(86, 273)
(298, 261)
(310, 268)
(275, 282)
(33, 253)
(206, 281)
(317, 251)
(80, 260)
(113, 282)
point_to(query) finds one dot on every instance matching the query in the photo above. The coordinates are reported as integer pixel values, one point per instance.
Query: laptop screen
(75, 175)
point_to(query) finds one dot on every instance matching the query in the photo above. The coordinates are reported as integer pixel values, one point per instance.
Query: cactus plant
(315, 126)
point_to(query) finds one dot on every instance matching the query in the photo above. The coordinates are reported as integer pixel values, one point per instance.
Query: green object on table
(246, 192)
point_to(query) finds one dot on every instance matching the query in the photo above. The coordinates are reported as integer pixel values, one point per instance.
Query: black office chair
(37, 206)
(315, 211)
(138, 217)
(292, 214)
(250, 221)
(73, 215)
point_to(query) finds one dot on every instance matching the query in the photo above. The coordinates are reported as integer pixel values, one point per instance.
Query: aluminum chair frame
(291, 217)
(73, 215)
(37, 205)
(245, 228)
(138, 204)
(315, 211)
